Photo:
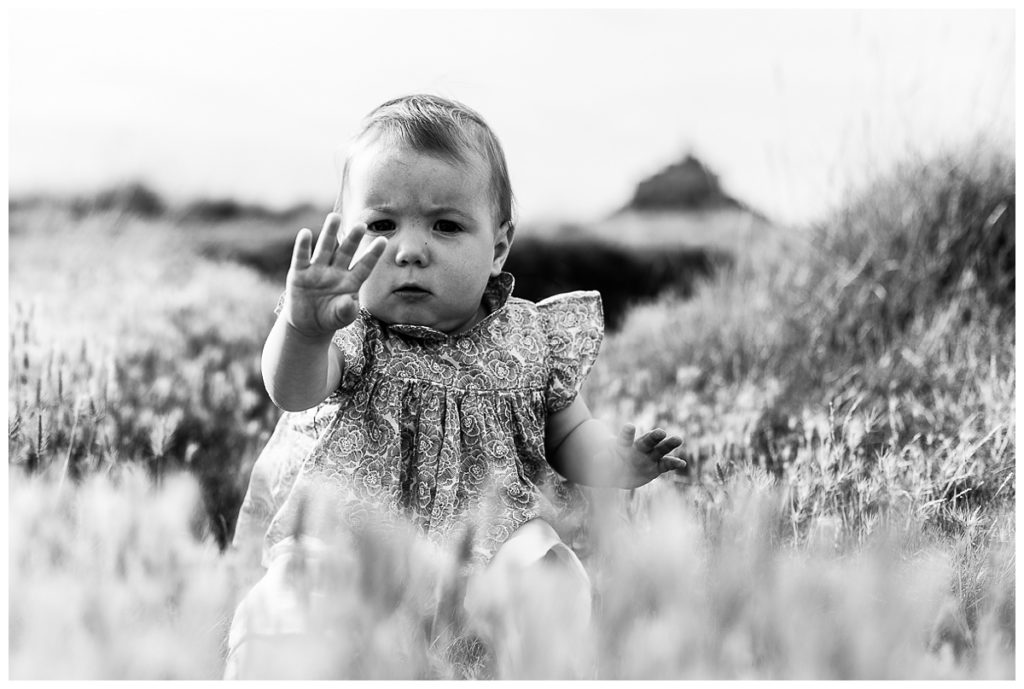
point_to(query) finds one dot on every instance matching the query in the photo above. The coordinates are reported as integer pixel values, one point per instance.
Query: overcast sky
(789, 107)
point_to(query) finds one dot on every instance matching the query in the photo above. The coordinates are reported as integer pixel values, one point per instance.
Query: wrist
(305, 336)
(628, 471)
(610, 468)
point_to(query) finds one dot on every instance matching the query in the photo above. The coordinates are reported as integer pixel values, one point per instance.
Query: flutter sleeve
(351, 340)
(574, 323)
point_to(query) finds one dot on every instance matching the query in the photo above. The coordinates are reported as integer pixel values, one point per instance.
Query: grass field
(846, 392)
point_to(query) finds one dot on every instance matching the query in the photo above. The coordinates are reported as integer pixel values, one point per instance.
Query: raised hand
(647, 457)
(322, 290)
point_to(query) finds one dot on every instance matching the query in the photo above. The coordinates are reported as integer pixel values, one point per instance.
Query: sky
(791, 108)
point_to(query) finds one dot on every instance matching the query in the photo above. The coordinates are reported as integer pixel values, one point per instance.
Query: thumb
(626, 435)
(344, 310)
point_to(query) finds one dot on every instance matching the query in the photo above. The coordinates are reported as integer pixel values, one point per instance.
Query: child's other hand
(322, 291)
(647, 457)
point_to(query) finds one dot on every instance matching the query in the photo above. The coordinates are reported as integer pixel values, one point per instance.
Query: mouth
(410, 289)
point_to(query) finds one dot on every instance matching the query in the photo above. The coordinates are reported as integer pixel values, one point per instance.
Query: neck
(481, 313)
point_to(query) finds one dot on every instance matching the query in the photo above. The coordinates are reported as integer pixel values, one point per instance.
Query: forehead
(379, 170)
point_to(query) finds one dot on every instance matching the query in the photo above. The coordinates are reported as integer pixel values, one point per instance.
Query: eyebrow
(437, 210)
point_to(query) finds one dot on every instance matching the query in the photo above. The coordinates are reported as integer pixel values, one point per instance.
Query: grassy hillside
(846, 390)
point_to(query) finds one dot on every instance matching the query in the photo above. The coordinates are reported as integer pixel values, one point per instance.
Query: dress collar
(496, 294)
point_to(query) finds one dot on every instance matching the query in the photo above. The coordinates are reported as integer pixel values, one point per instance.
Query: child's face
(443, 242)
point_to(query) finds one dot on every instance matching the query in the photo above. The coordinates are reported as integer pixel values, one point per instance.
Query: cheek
(369, 295)
(374, 284)
(364, 244)
(474, 275)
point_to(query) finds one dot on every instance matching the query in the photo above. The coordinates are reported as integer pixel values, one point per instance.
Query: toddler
(416, 384)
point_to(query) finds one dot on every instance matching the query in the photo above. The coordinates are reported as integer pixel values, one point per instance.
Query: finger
(300, 253)
(649, 440)
(667, 445)
(328, 240)
(626, 435)
(348, 246)
(671, 463)
(364, 266)
(345, 310)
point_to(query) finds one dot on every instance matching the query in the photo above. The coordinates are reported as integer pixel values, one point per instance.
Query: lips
(411, 289)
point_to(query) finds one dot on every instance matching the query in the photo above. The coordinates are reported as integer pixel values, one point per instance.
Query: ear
(502, 243)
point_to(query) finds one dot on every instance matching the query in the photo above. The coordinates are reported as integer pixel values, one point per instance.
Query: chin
(406, 315)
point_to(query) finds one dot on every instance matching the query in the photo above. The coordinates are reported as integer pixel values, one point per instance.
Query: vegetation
(846, 391)
(125, 348)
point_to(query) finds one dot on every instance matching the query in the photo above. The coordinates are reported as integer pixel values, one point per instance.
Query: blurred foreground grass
(108, 582)
(846, 392)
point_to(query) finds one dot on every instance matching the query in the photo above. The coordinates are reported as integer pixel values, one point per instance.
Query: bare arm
(300, 365)
(299, 372)
(583, 450)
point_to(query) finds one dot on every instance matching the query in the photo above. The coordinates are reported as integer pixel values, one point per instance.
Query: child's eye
(447, 227)
(380, 226)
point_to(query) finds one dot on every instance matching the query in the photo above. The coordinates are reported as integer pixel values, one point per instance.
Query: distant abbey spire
(684, 186)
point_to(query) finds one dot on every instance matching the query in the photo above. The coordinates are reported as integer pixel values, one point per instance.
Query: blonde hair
(444, 128)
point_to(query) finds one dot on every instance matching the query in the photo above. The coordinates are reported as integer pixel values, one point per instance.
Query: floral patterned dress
(438, 429)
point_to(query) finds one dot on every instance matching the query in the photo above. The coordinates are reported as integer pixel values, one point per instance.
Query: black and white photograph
(511, 342)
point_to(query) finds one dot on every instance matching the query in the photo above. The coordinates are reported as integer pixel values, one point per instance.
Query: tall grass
(712, 587)
(125, 347)
(107, 580)
(924, 253)
(895, 317)
(867, 364)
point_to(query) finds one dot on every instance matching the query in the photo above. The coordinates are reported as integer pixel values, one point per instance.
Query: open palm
(322, 290)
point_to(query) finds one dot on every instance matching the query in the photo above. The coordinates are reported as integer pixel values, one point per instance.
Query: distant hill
(138, 199)
(688, 185)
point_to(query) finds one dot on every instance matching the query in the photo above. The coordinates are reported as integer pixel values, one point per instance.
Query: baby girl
(434, 391)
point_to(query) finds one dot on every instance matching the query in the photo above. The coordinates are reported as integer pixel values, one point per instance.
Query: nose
(411, 247)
